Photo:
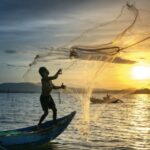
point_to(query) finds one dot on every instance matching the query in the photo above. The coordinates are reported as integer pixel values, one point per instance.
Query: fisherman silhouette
(46, 99)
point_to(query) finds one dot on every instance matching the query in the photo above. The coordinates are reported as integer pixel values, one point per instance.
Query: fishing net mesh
(96, 48)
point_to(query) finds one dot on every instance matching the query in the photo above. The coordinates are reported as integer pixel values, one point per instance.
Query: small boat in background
(106, 99)
(33, 136)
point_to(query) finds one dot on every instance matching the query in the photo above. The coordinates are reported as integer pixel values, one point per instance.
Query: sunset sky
(29, 27)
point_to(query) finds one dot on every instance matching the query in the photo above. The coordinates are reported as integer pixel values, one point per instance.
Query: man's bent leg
(53, 107)
(43, 117)
(54, 113)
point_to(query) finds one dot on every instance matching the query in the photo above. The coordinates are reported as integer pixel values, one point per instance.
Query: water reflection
(49, 146)
(139, 121)
(122, 126)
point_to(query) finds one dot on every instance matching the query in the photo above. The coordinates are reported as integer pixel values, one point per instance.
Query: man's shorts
(47, 102)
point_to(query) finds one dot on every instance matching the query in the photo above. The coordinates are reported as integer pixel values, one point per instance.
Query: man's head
(43, 71)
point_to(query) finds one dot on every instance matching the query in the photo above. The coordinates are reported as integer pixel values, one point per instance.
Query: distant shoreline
(106, 92)
(26, 87)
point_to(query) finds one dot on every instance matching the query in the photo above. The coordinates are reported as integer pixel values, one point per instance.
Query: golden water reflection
(139, 120)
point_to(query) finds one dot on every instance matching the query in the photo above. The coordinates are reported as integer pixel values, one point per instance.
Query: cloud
(16, 66)
(117, 60)
(14, 12)
(9, 51)
(120, 60)
(45, 23)
(13, 65)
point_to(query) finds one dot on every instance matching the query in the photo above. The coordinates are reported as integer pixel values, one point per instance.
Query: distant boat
(106, 99)
(32, 136)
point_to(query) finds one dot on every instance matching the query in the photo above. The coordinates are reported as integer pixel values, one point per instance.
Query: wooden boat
(96, 100)
(33, 136)
(107, 100)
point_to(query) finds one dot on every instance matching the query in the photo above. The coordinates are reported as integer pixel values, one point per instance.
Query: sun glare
(141, 72)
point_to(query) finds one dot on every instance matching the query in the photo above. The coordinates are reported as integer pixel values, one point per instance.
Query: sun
(141, 72)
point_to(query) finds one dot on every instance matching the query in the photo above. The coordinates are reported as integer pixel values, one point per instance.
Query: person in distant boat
(46, 99)
(107, 97)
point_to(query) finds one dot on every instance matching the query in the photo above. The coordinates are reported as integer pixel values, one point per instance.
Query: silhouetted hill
(121, 91)
(142, 91)
(19, 88)
(26, 87)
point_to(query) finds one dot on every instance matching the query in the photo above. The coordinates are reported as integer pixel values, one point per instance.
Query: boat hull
(31, 136)
(106, 101)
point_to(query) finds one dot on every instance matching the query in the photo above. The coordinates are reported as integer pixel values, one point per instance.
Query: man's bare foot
(39, 127)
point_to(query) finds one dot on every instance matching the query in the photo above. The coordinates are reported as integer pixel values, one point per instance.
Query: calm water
(124, 126)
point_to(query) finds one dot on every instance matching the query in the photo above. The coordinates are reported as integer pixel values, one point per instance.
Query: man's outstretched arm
(56, 75)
